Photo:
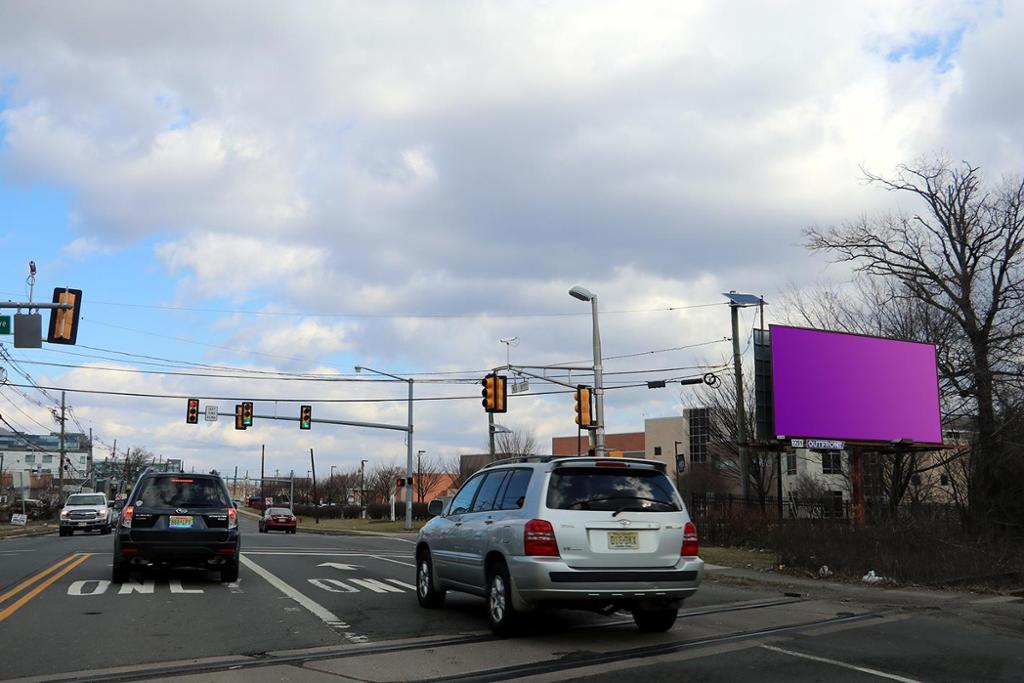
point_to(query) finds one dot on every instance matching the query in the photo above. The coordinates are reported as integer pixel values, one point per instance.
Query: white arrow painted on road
(338, 565)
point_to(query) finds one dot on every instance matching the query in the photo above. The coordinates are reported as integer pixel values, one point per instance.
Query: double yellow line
(44, 579)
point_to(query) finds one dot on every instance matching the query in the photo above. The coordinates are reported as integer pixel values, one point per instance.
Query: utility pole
(60, 475)
(263, 453)
(234, 485)
(316, 500)
(490, 433)
(741, 413)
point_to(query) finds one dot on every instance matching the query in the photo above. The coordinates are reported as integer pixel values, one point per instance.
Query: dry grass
(12, 530)
(739, 558)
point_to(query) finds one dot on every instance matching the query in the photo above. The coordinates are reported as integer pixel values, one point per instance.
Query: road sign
(268, 501)
(18, 519)
(211, 413)
(825, 445)
(5, 324)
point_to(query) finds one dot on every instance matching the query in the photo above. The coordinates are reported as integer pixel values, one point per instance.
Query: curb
(29, 534)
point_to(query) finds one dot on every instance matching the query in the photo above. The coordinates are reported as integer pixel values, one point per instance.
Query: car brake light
(126, 516)
(539, 539)
(232, 518)
(690, 546)
(610, 463)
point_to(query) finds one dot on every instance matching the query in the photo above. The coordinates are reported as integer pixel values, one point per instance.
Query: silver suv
(601, 534)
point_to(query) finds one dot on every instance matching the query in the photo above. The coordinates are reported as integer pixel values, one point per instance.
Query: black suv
(177, 520)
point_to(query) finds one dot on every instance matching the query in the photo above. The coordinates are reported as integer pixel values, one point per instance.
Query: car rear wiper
(636, 508)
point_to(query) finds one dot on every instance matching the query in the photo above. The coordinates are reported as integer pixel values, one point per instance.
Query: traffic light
(495, 393)
(305, 417)
(239, 417)
(247, 413)
(584, 416)
(64, 321)
(400, 482)
(192, 414)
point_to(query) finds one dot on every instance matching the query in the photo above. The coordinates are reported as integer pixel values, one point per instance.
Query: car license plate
(81, 524)
(181, 521)
(623, 540)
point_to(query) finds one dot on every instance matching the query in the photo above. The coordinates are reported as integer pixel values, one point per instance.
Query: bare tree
(962, 257)
(515, 442)
(135, 461)
(380, 481)
(451, 466)
(428, 475)
(723, 438)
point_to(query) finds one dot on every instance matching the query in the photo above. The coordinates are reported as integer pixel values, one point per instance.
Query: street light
(408, 440)
(584, 294)
(736, 302)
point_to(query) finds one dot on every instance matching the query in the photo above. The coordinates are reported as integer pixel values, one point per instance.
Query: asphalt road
(313, 607)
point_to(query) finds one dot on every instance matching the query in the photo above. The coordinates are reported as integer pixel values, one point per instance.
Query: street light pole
(583, 294)
(408, 441)
(736, 302)
(362, 487)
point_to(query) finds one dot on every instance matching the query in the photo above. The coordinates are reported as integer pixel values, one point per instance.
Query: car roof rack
(518, 458)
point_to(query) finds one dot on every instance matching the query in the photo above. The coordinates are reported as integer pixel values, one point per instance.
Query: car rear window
(280, 511)
(593, 488)
(91, 499)
(182, 491)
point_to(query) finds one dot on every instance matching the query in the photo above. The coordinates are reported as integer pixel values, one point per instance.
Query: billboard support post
(741, 413)
(857, 480)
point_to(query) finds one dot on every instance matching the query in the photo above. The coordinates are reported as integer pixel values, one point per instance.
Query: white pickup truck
(85, 512)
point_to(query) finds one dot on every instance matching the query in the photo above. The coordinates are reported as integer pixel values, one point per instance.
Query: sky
(278, 192)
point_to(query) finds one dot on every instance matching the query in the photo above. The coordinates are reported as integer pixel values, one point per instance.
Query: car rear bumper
(279, 525)
(177, 551)
(541, 580)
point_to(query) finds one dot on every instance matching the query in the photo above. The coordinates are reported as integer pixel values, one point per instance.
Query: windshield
(182, 491)
(643, 490)
(87, 499)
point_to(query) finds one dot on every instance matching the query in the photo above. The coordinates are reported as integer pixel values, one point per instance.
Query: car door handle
(458, 523)
(488, 521)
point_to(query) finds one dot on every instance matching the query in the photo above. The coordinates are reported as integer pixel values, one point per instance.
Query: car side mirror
(435, 508)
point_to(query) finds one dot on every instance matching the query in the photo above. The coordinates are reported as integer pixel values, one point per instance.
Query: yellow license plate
(623, 540)
(181, 522)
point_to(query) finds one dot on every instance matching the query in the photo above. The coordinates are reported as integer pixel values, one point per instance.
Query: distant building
(29, 459)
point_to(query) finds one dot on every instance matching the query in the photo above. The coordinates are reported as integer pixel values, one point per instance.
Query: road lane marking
(403, 584)
(176, 587)
(15, 606)
(338, 565)
(376, 586)
(388, 559)
(314, 608)
(834, 662)
(129, 587)
(333, 586)
(79, 587)
(28, 582)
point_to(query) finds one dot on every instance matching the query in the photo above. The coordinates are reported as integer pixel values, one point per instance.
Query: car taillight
(126, 516)
(539, 539)
(232, 518)
(690, 546)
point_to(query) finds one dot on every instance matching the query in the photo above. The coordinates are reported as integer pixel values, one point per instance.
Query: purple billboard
(833, 385)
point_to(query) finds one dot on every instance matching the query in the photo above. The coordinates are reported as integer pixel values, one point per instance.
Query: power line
(409, 316)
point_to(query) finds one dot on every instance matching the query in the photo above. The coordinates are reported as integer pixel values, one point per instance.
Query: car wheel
(119, 572)
(62, 531)
(229, 573)
(426, 594)
(504, 619)
(654, 620)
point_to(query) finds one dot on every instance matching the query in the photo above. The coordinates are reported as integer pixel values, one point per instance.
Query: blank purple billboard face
(832, 385)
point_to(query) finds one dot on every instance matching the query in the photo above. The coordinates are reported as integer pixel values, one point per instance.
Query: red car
(281, 519)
